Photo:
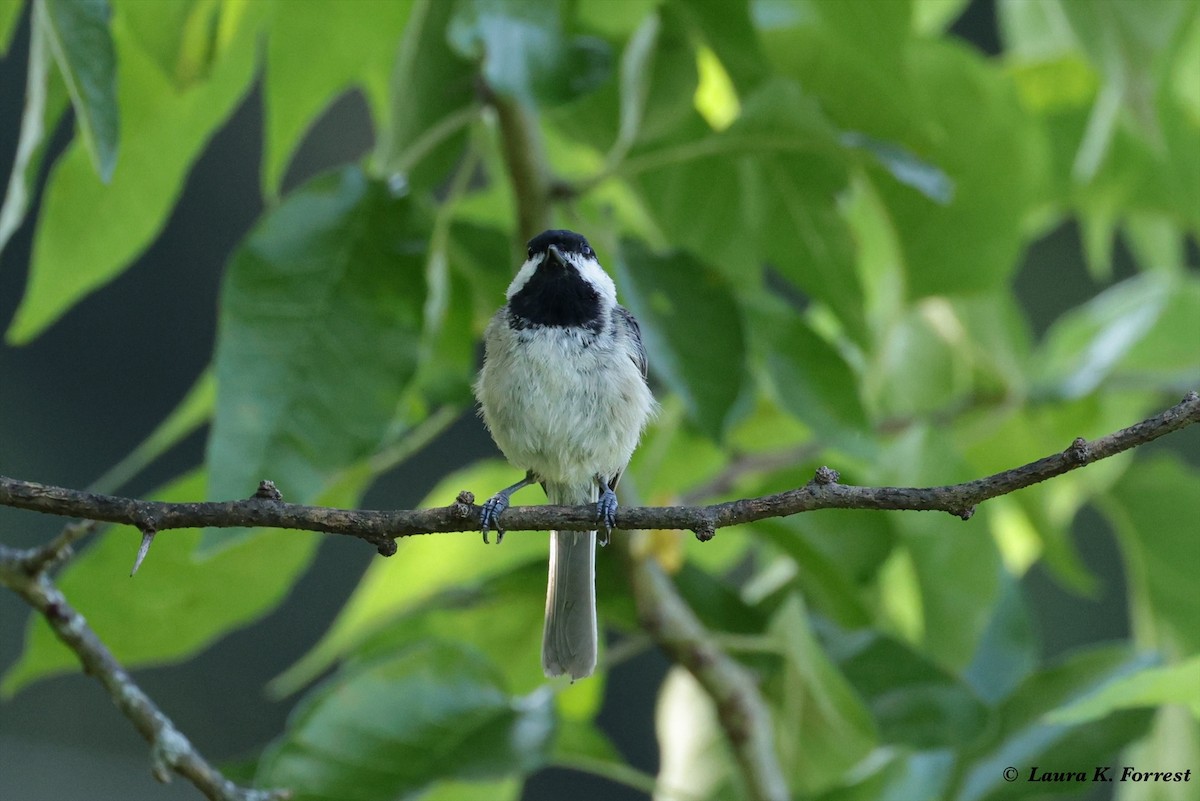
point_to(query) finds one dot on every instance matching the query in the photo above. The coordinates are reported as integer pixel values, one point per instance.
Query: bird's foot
(490, 516)
(606, 511)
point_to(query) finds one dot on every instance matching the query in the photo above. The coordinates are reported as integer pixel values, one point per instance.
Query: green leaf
(822, 725)
(357, 43)
(833, 569)
(89, 233)
(499, 612)
(975, 110)
(79, 38)
(904, 166)
(10, 15)
(1153, 510)
(942, 583)
(1176, 684)
(321, 316)
(922, 363)
(1008, 651)
(692, 328)
(525, 51)
(431, 100)
(183, 37)
(1083, 348)
(175, 606)
(1023, 737)
(46, 99)
(914, 702)
(898, 775)
(773, 175)
(452, 790)
(931, 17)
(397, 726)
(815, 384)
(584, 747)
(422, 568)
(729, 30)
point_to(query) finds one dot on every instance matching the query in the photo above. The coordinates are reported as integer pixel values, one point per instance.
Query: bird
(563, 391)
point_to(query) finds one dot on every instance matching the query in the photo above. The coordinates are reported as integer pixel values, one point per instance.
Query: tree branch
(382, 528)
(740, 708)
(26, 573)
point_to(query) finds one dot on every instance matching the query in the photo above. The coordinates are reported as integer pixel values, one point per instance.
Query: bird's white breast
(565, 403)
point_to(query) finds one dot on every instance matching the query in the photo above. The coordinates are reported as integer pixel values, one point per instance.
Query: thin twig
(740, 708)
(381, 528)
(26, 573)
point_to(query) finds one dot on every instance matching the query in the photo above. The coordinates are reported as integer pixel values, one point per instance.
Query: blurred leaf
(1176, 684)
(1023, 737)
(1167, 356)
(357, 43)
(773, 175)
(46, 99)
(973, 242)
(931, 17)
(499, 613)
(822, 725)
(614, 20)
(1174, 740)
(399, 725)
(584, 747)
(913, 702)
(89, 233)
(525, 51)
(1083, 347)
(422, 567)
(728, 29)
(10, 15)
(898, 775)
(815, 384)
(175, 606)
(1153, 509)
(183, 37)
(922, 363)
(451, 790)
(432, 99)
(691, 326)
(83, 48)
(904, 166)
(944, 598)
(1132, 48)
(718, 605)
(318, 337)
(1009, 649)
(837, 555)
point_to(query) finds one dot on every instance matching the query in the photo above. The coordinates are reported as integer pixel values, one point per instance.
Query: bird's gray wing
(624, 318)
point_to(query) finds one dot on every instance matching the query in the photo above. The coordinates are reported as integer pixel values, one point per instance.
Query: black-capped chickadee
(563, 391)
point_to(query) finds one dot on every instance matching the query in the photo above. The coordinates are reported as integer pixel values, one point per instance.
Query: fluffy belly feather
(567, 408)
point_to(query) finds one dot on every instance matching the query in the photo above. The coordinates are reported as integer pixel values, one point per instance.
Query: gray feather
(570, 639)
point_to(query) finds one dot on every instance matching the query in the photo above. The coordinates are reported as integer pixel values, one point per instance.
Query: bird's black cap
(567, 242)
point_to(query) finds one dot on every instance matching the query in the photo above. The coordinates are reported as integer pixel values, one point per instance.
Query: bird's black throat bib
(556, 295)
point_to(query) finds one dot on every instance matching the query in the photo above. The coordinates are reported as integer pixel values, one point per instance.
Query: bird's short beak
(554, 254)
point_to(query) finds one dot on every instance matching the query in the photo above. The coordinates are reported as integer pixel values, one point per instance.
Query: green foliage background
(816, 208)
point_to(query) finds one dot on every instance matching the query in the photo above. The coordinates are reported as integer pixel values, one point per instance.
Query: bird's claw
(606, 511)
(490, 516)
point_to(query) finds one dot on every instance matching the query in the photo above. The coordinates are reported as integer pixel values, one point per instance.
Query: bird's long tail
(570, 639)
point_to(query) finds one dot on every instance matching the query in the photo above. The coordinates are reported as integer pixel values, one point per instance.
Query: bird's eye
(530, 253)
(587, 251)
